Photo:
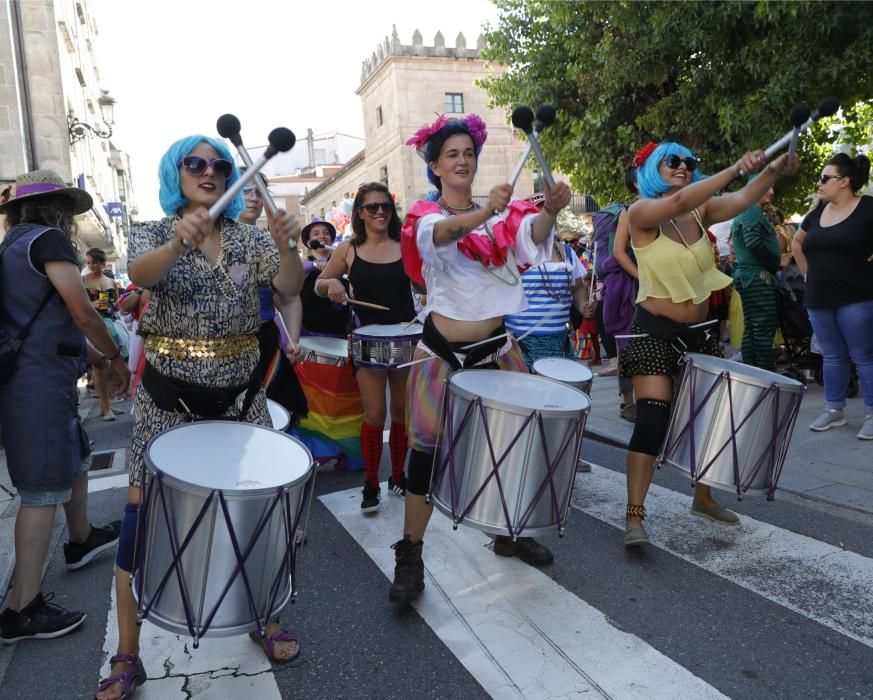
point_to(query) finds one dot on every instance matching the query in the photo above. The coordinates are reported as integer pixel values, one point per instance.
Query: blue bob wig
(170, 195)
(435, 145)
(649, 180)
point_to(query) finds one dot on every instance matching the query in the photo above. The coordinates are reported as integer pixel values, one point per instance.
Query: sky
(175, 66)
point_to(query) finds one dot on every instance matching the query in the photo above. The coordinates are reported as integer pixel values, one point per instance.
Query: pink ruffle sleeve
(505, 232)
(412, 260)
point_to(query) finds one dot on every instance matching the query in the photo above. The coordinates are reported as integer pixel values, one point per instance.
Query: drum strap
(174, 395)
(448, 351)
(683, 336)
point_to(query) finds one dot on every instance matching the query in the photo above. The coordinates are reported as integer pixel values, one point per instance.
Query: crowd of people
(223, 310)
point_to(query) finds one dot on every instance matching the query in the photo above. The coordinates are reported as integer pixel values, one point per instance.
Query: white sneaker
(110, 415)
(831, 418)
(866, 431)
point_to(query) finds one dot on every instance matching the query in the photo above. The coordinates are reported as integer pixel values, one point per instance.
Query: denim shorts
(35, 499)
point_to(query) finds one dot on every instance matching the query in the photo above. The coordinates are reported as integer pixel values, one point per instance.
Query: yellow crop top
(670, 270)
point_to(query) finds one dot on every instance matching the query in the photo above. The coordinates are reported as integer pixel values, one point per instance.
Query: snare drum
(731, 425)
(571, 372)
(385, 346)
(279, 416)
(325, 351)
(507, 455)
(216, 553)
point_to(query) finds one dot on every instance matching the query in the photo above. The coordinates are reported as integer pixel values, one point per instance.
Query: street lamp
(79, 130)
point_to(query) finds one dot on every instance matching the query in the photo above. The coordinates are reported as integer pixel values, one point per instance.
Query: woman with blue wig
(200, 344)
(677, 275)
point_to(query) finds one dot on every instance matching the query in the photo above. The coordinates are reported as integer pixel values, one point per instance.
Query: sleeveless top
(671, 270)
(385, 284)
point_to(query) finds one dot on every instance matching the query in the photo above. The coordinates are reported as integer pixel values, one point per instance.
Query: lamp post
(79, 130)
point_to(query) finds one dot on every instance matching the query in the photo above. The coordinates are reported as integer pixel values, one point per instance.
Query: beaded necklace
(547, 285)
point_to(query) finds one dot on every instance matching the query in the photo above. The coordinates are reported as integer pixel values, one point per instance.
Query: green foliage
(720, 77)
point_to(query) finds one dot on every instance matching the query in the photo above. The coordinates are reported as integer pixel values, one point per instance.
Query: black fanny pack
(445, 349)
(174, 395)
(683, 336)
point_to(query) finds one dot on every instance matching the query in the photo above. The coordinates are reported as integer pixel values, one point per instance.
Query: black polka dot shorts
(650, 355)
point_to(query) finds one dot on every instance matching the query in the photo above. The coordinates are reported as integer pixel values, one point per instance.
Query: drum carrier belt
(680, 335)
(447, 350)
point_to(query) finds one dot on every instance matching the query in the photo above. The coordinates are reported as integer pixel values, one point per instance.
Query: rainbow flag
(332, 428)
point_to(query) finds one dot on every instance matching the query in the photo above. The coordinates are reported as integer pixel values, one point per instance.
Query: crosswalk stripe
(824, 583)
(520, 634)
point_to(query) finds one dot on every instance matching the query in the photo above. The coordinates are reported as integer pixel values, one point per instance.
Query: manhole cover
(101, 460)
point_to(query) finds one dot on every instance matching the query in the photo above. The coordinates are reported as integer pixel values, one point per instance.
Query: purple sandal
(269, 641)
(130, 680)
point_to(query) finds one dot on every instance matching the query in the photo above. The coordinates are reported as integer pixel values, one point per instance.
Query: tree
(720, 77)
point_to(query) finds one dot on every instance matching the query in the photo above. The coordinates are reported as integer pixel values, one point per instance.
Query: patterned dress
(197, 300)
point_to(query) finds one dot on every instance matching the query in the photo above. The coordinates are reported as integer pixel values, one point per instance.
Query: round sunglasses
(673, 162)
(195, 165)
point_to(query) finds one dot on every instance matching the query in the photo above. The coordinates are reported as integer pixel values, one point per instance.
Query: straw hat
(304, 234)
(41, 183)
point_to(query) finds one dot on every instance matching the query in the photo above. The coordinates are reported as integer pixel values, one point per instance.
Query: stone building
(404, 87)
(53, 113)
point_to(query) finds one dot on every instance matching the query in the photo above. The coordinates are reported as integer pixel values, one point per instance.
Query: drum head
(233, 457)
(516, 391)
(563, 370)
(743, 373)
(389, 330)
(279, 416)
(332, 347)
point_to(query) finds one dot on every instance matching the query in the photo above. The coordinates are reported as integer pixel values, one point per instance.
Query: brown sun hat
(41, 183)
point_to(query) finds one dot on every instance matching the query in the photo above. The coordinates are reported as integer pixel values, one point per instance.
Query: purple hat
(304, 234)
(40, 183)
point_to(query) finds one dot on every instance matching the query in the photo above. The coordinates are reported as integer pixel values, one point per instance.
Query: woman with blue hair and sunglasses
(201, 347)
(677, 275)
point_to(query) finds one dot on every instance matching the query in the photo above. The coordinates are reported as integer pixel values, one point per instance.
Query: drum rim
(787, 383)
(517, 410)
(306, 342)
(572, 382)
(415, 334)
(230, 494)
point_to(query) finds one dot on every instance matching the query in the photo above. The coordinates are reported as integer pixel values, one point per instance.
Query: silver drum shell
(383, 352)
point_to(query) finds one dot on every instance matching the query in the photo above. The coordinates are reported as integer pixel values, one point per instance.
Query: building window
(379, 119)
(454, 102)
(383, 175)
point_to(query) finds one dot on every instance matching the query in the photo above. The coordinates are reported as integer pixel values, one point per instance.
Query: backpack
(605, 222)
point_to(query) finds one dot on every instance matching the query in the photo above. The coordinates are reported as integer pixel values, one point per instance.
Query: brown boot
(408, 572)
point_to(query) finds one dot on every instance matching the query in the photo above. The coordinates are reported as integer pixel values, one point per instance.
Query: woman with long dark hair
(371, 259)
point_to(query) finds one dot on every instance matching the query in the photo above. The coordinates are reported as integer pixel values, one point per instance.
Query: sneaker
(370, 502)
(628, 411)
(525, 548)
(831, 418)
(398, 488)
(100, 539)
(582, 467)
(408, 571)
(108, 416)
(866, 431)
(39, 619)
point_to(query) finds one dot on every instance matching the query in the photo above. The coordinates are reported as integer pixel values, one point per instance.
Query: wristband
(115, 356)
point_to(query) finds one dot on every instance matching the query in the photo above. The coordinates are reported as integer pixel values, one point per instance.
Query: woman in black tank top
(371, 259)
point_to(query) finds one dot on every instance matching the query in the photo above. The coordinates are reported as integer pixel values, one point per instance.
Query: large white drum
(215, 543)
(507, 455)
(564, 370)
(731, 424)
(385, 345)
(325, 351)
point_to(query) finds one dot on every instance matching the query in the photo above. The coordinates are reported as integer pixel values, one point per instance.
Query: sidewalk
(832, 466)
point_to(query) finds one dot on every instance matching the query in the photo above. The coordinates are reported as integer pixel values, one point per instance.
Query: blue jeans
(843, 333)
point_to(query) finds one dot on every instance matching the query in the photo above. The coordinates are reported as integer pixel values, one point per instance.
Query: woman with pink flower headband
(470, 260)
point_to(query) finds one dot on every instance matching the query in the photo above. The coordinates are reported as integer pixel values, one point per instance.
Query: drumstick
(367, 304)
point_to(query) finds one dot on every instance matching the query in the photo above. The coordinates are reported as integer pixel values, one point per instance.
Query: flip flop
(130, 680)
(269, 641)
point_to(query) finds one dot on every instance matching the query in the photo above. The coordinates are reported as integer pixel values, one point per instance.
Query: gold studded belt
(202, 348)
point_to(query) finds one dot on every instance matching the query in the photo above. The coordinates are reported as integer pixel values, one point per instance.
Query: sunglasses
(691, 162)
(373, 207)
(195, 165)
(824, 178)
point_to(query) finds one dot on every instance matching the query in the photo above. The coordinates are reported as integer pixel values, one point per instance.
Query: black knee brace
(420, 466)
(653, 418)
(127, 538)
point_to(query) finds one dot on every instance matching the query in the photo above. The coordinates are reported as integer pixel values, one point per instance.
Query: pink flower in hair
(422, 136)
(478, 130)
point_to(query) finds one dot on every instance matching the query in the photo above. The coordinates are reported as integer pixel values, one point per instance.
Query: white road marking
(520, 634)
(824, 583)
(104, 483)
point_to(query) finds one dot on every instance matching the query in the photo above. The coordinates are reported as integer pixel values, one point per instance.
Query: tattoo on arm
(456, 233)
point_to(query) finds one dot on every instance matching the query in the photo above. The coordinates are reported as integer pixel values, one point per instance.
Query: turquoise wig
(171, 195)
(649, 180)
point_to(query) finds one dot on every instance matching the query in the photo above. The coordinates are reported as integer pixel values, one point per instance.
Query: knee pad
(127, 538)
(653, 418)
(420, 467)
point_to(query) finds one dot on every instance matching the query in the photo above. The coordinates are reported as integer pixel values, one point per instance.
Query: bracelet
(116, 355)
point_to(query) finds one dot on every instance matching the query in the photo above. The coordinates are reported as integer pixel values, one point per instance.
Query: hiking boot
(866, 431)
(408, 572)
(831, 418)
(99, 540)
(398, 488)
(525, 548)
(39, 619)
(371, 493)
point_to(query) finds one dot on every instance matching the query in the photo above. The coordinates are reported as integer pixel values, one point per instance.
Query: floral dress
(197, 300)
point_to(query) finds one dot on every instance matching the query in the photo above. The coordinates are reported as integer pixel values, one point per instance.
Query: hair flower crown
(473, 122)
(642, 155)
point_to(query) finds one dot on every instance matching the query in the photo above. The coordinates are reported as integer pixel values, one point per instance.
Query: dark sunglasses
(195, 165)
(824, 178)
(691, 162)
(373, 207)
